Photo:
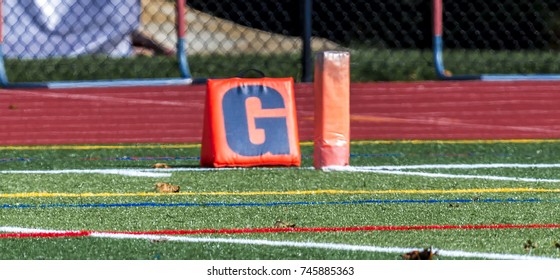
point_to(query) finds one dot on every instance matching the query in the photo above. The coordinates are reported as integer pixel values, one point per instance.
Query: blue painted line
(129, 158)
(276, 203)
(378, 155)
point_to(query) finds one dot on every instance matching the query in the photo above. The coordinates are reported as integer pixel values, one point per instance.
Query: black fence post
(306, 55)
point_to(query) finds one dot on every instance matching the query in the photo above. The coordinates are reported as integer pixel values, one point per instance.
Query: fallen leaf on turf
(159, 240)
(426, 254)
(283, 224)
(160, 165)
(167, 188)
(529, 245)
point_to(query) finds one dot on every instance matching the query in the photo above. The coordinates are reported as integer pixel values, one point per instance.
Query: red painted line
(344, 229)
(289, 229)
(46, 234)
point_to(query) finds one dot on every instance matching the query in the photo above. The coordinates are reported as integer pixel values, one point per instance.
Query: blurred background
(49, 40)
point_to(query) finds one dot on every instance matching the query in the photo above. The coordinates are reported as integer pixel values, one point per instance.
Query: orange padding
(332, 109)
(250, 122)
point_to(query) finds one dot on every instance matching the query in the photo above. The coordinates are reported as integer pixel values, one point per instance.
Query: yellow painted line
(489, 141)
(307, 143)
(296, 192)
(98, 147)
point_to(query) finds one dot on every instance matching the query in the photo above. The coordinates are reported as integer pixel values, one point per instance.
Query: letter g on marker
(255, 121)
(250, 122)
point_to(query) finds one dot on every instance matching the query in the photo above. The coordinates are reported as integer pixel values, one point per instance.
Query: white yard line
(459, 176)
(462, 166)
(383, 169)
(123, 172)
(306, 245)
(397, 170)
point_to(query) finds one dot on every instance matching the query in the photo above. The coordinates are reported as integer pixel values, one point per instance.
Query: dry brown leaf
(160, 165)
(426, 254)
(159, 240)
(167, 188)
(529, 245)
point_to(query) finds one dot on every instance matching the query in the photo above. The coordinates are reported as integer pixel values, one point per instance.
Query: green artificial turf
(235, 209)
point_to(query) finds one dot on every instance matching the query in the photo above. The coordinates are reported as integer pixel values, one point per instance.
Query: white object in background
(56, 28)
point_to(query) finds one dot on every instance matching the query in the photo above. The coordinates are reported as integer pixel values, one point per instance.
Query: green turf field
(493, 210)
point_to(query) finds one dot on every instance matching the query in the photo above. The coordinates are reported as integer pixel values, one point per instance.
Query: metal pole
(3, 76)
(181, 39)
(306, 56)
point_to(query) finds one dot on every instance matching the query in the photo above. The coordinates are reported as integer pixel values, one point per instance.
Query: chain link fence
(389, 40)
(502, 25)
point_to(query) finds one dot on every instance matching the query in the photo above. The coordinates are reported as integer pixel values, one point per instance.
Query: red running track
(413, 110)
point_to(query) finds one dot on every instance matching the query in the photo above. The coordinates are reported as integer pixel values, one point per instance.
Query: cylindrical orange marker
(332, 109)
